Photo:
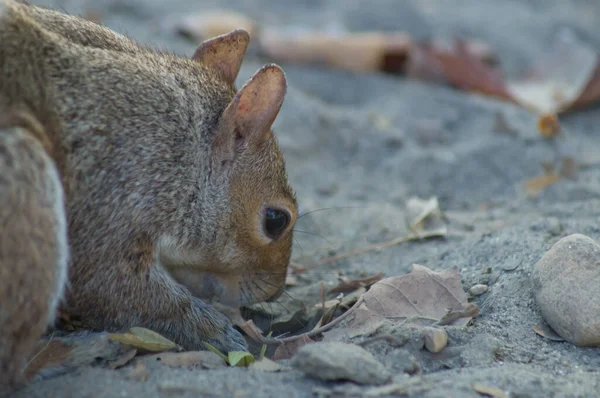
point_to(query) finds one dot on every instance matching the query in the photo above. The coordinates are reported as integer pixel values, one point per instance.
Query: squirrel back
(174, 186)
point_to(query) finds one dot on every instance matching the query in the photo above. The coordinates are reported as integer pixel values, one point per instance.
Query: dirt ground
(436, 142)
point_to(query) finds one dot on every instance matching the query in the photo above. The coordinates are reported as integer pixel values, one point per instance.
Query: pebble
(566, 282)
(435, 339)
(478, 290)
(340, 361)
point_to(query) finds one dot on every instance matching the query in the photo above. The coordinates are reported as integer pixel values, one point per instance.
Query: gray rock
(566, 282)
(340, 361)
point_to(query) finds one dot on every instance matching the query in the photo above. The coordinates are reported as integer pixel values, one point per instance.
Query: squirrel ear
(224, 53)
(252, 111)
(260, 100)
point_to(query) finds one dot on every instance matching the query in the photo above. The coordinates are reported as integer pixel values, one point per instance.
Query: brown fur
(166, 168)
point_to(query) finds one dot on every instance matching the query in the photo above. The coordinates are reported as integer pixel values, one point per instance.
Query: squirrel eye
(276, 221)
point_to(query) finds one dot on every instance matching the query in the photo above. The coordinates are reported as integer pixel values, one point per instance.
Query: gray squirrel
(133, 184)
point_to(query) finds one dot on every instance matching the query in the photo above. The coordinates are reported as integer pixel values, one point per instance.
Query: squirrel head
(247, 208)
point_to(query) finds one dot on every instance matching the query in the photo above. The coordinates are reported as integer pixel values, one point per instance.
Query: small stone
(478, 290)
(553, 226)
(340, 361)
(401, 360)
(435, 339)
(565, 282)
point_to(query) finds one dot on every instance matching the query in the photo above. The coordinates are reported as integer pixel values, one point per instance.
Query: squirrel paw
(216, 330)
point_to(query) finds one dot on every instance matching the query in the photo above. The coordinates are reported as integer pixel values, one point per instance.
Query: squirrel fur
(134, 184)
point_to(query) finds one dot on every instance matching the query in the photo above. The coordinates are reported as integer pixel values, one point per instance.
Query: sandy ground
(438, 142)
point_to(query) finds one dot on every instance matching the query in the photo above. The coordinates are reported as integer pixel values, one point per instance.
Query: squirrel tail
(33, 241)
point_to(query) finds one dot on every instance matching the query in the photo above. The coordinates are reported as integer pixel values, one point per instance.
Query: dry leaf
(422, 296)
(357, 52)
(191, 359)
(288, 350)
(536, 185)
(490, 391)
(144, 339)
(457, 66)
(546, 331)
(214, 23)
(266, 365)
(361, 322)
(424, 217)
(351, 285)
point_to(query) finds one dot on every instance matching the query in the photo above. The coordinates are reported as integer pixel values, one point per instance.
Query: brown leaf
(213, 23)
(361, 322)
(288, 350)
(351, 285)
(422, 296)
(253, 331)
(358, 52)
(535, 185)
(457, 66)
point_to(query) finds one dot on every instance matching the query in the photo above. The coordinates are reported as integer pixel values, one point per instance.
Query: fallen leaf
(424, 217)
(239, 358)
(457, 66)
(144, 339)
(421, 297)
(546, 331)
(354, 284)
(266, 365)
(490, 391)
(357, 52)
(212, 23)
(191, 359)
(536, 185)
(361, 322)
(288, 349)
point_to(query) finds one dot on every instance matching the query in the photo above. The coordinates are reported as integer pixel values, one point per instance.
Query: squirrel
(134, 184)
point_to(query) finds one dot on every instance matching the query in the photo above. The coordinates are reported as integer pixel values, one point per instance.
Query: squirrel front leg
(33, 243)
(128, 297)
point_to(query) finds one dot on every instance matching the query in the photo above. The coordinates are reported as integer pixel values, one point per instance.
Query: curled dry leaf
(421, 297)
(288, 349)
(424, 217)
(351, 285)
(548, 125)
(214, 23)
